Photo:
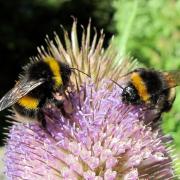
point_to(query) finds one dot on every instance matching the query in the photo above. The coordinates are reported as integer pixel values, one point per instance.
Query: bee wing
(176, 76)
(173, 78)
(21, 88)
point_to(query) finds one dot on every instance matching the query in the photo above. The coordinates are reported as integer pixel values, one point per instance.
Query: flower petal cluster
(101, 139)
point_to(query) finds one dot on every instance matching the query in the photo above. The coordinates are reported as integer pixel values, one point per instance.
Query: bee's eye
(128, 91)
(129, 94)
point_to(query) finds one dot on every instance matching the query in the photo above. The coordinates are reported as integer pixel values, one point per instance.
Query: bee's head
(130, 95)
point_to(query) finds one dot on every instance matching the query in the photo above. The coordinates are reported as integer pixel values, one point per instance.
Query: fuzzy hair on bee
(150, 87)
(39, 80)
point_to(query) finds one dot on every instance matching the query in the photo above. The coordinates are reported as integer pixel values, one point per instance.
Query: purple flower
(102, 138)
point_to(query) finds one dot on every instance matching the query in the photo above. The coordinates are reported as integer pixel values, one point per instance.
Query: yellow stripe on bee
(140, 86)
(55, 68)
(28, 102)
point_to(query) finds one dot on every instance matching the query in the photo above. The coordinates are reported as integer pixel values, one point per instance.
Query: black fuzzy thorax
(153, 80)
(41, 70)
(157, 87)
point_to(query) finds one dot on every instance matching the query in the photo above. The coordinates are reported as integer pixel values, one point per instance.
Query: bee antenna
(117, 84)
(81, 72)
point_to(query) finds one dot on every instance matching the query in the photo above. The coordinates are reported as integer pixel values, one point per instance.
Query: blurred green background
(148, 30)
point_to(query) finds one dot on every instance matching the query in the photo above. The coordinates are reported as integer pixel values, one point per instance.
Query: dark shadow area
(24, 25)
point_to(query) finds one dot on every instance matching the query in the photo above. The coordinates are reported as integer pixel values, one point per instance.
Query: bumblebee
(40, 79)
(153, 88)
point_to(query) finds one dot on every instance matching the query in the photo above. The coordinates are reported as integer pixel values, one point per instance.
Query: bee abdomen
(27, 106)
(28, 102)
(32, 113)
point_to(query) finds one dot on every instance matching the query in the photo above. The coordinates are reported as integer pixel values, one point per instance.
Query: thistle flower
(102, 138)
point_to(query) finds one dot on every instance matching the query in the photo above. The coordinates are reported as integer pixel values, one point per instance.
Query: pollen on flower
(101, 139)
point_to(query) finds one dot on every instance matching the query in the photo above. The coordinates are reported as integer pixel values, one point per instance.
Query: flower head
(102, 138)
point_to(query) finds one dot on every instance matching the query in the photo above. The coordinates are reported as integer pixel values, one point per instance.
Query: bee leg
(60, 105)
(156, 111)
(152, 115)
(41, 118)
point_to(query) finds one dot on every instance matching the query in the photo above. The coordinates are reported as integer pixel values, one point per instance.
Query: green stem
(127, 29)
